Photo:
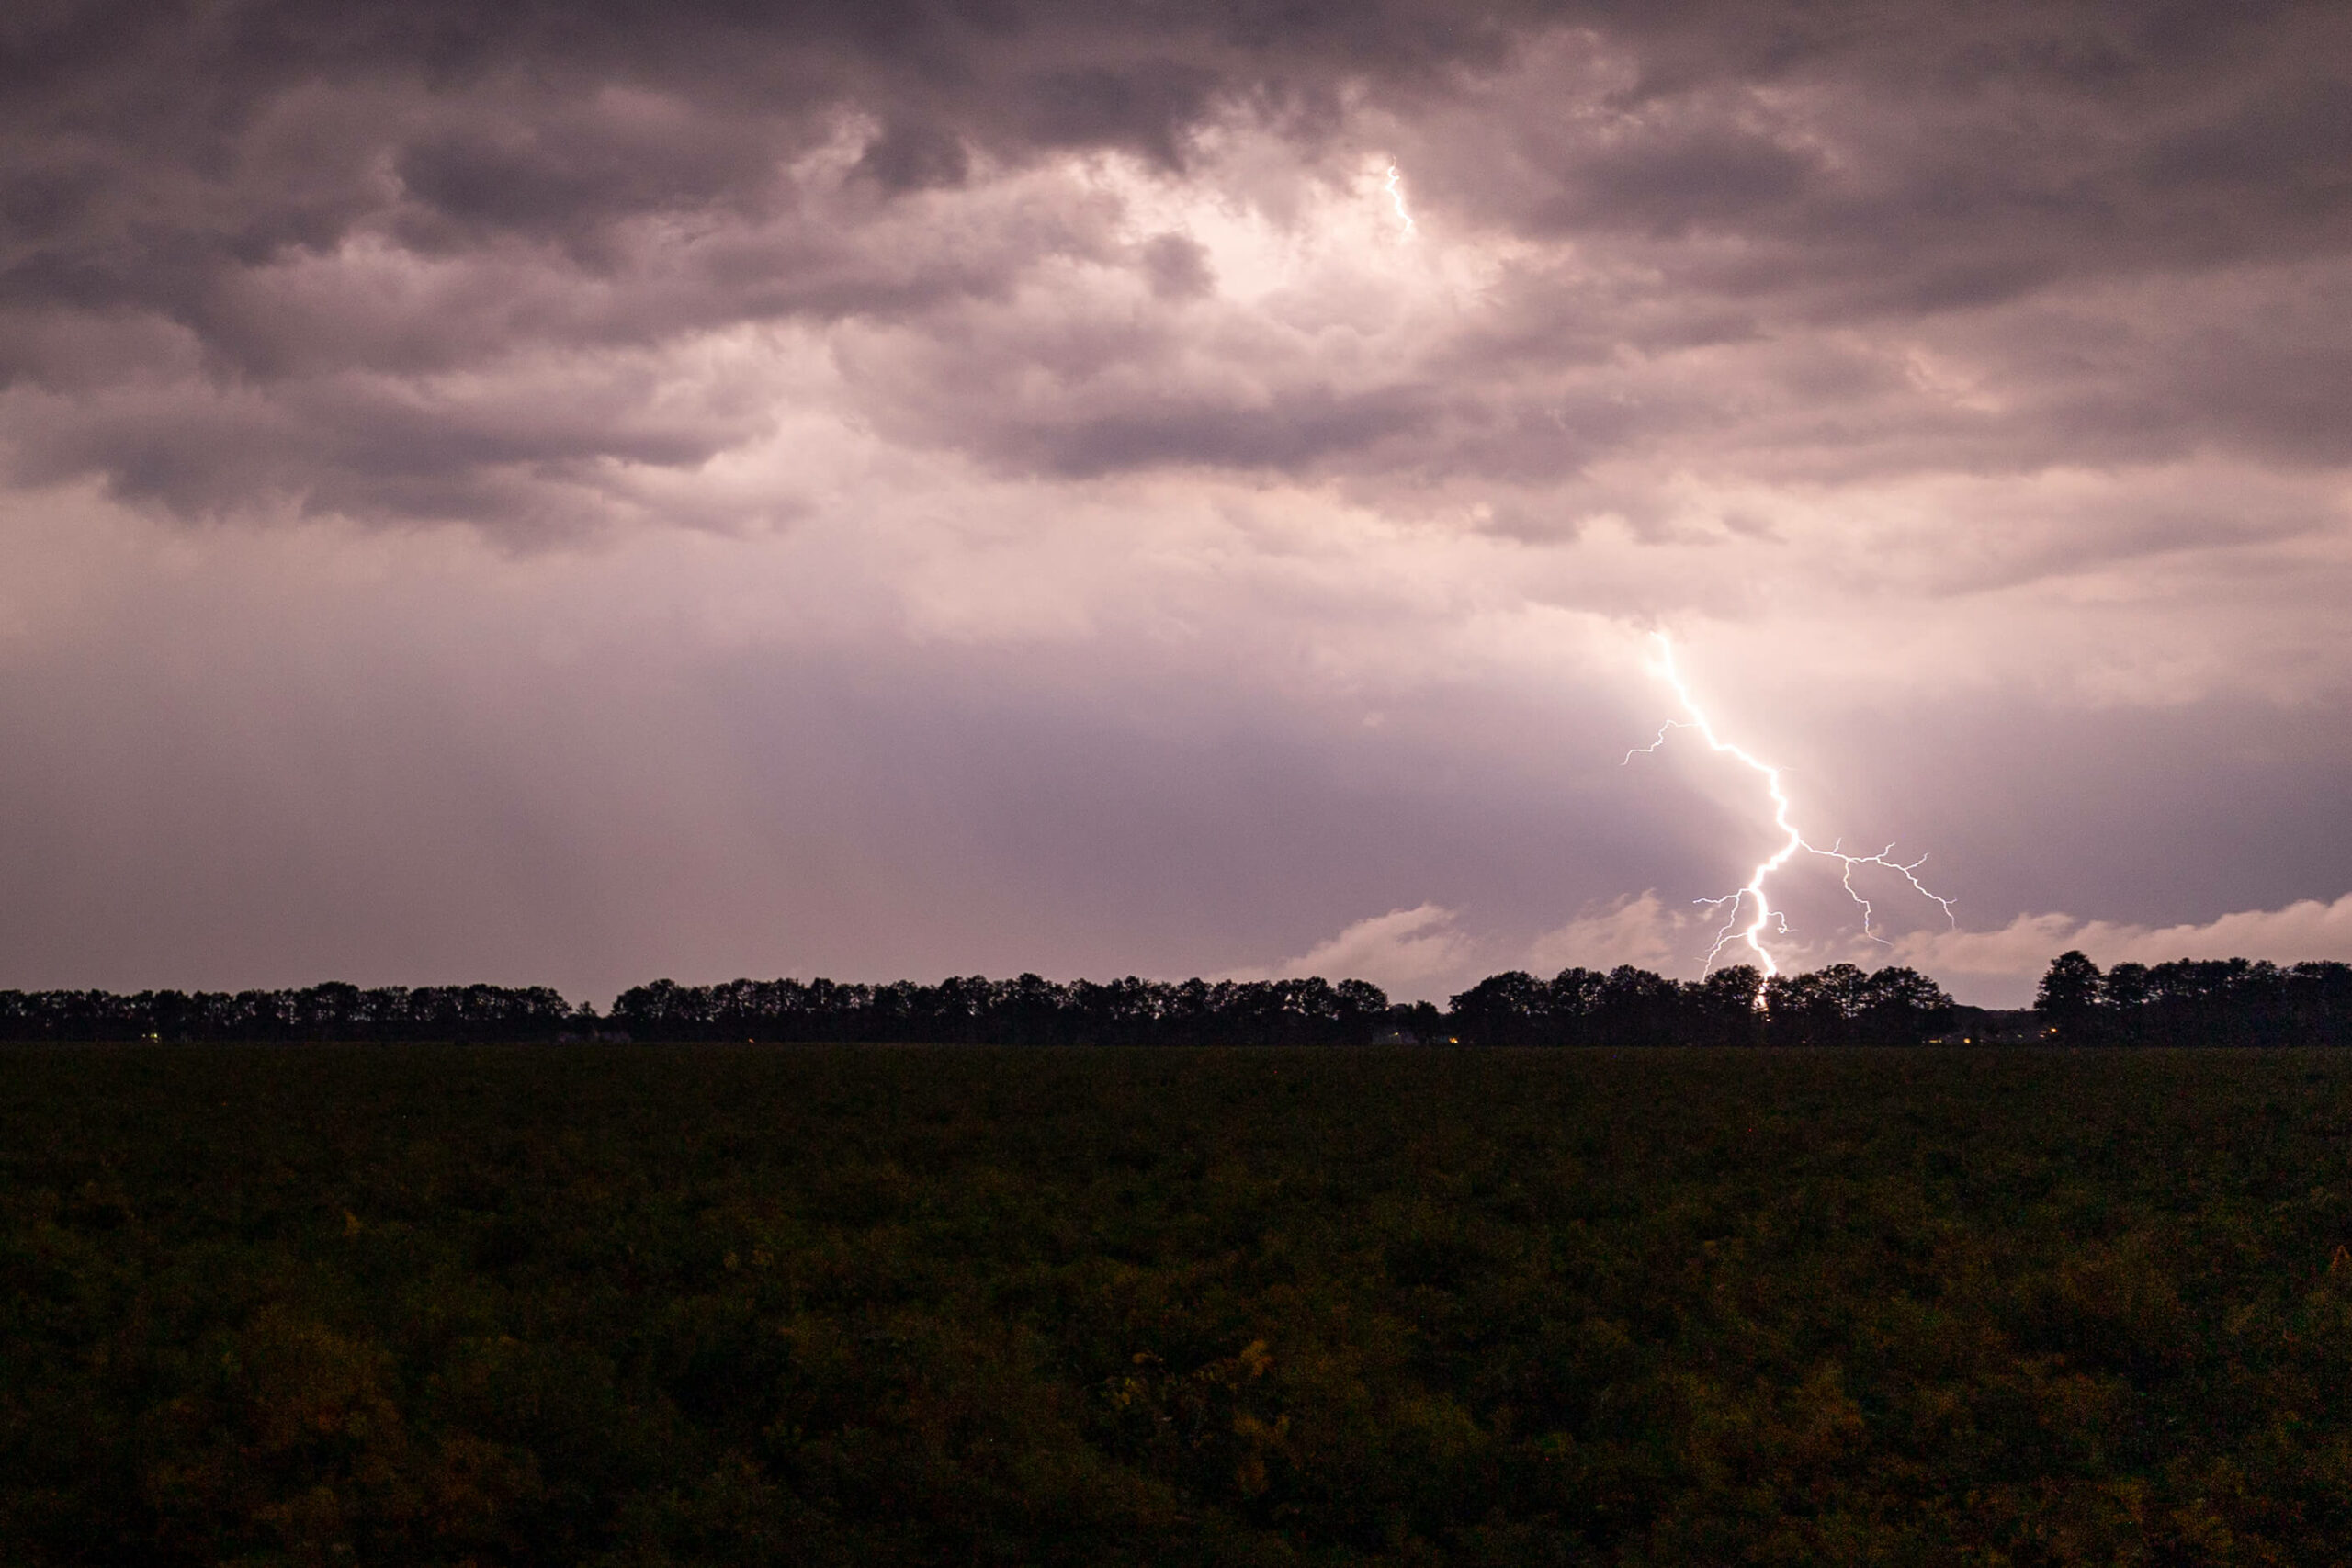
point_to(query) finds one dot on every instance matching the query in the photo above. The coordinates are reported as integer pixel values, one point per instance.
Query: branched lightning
(1394, 184)
(1766, 917)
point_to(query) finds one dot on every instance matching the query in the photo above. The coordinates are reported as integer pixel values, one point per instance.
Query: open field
(724, 1305)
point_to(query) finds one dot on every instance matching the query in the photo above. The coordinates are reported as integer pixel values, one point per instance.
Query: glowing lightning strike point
(1394, 186)
(1767, 918)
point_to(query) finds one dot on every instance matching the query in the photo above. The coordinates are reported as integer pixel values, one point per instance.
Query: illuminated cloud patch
(2304, 932)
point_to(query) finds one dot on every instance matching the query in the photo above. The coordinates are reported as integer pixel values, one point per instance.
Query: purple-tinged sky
(570, 493)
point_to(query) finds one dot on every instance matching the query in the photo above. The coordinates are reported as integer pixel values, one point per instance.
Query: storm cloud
(1281, 422)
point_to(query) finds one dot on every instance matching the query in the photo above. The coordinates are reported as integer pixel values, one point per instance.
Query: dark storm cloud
(213, 217)
(365, 450)
(220, 133)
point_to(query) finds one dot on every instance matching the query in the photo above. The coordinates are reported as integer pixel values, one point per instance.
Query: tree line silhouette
(1841, 1005)
(1579, 1006)
(1028, 1011)
(2190, 1001)
(2227, 1001)
(330, 1011)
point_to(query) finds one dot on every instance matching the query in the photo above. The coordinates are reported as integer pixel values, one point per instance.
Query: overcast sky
(570, 493)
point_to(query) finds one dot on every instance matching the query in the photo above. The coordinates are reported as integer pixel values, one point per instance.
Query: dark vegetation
(1580, 1007)
(328, 1013)
(1836, 1006)
(1024, 1012)
(613, 1305)
(2222, 1002)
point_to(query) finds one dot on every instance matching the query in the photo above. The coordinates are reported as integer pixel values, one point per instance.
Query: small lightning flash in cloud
(1766, 917)
(1395, 186)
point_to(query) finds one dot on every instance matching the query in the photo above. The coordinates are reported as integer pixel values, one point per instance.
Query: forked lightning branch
(1752, 899)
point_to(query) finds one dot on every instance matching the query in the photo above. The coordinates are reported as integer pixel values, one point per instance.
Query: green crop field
(601, 1304)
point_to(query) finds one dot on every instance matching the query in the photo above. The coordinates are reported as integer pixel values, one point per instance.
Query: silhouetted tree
(1725, 1008)
(2070, 996)
(1510, 1009)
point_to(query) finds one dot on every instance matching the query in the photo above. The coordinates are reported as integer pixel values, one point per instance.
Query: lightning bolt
(1394, 186)
(1793, 842)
